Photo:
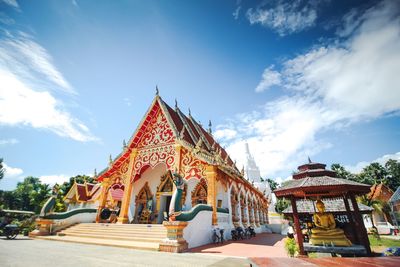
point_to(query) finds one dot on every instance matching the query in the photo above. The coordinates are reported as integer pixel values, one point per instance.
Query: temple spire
(110, 160)
(176, 104)
(95, 173)
(309, 160)
(209, 127)
(157, 91)
(190, 113)
(124, 144)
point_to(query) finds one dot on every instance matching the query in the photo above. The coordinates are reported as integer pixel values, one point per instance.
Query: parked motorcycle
(217, 235)
(10, 231)
(251, 232)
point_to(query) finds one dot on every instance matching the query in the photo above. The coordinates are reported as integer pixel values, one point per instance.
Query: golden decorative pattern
(151, 157)
(191, 166)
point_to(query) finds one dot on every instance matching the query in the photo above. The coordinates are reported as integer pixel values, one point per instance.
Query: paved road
(33, 252)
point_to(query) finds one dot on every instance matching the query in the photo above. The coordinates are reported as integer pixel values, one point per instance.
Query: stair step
(114, 237)
(104, 242)
(121, 225)
(104, 233)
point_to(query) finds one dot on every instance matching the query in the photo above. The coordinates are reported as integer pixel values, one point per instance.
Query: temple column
(239, 210)
(211, 173)
(126, 199)
(363, 235)
(103, 198)
(297, 226)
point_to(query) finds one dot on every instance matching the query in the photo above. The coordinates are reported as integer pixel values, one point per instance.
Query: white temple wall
(198, 232)
(152, 176)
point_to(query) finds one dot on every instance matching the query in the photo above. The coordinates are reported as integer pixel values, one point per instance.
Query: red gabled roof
(192, 133)
(380, 192)
(81, 191)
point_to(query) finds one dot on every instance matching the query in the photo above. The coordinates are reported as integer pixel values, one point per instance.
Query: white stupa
(252, 173)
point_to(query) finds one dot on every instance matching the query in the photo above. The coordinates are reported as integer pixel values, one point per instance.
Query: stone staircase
(138, 236)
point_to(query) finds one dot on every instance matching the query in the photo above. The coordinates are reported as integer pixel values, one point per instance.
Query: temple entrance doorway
(164, 196)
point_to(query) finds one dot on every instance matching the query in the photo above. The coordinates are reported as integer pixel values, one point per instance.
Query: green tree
(31, 194)
(341, 172)
(272, 184)
(8, 200)
(2, 169)
(281, 204)
(393, 174)
(374, 173)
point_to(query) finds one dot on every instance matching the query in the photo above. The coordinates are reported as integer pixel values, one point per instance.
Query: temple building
(166, 141)
(171, 172)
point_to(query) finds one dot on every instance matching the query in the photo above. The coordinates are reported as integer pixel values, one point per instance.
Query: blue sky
(298, 79)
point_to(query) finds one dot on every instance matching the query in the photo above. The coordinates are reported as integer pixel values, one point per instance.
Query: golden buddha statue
(325, 232)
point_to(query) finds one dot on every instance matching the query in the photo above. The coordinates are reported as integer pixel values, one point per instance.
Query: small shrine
(319, 191)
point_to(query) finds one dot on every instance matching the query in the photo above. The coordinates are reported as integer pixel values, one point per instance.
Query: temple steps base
(104, 242)
(138, 236)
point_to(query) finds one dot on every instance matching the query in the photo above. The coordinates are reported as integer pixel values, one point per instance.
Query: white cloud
(19, 105)
(26, 74)
(285, 18)
(329, 86)
(11, 141)
(12, 3)
(24, 57)
(54, 179)
(11, 177)
(225, 134)
(382, 160)
(270, 78)
(236, 13)
(11, 172)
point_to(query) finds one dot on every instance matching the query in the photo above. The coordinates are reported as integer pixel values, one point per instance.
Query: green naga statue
(175, 206)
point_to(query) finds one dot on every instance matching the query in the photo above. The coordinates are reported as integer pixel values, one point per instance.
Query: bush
(291, 246)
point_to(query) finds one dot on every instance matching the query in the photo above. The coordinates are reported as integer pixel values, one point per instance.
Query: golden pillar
(126, 199)
(211, 173)
(103, 197)
(177, 166)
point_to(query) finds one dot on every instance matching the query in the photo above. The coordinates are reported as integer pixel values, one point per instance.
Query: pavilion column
(297, 226)
(126, 199)
(103, 198)
(351, 219)
(363, 235)
(211, 173)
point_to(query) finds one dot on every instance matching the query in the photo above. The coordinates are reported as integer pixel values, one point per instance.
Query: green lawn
(384, 242)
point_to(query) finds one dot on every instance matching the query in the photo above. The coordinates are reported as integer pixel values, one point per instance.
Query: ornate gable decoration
(192, 166)
(156, 144)
(158, 131)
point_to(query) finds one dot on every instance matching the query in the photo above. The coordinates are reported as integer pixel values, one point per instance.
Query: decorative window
(199, 194)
